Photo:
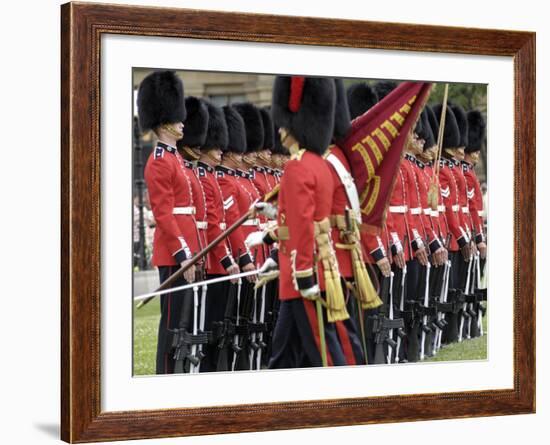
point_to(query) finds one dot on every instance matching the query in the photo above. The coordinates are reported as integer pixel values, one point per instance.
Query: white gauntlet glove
(254, 239)
(268, 266)
(269, 271)
(311, 292)
(266, 209)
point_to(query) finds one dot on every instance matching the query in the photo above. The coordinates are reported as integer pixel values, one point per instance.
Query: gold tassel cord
(335, 301)
(365, 291)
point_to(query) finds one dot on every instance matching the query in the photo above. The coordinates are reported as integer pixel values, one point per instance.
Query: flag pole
(441, 127)
(433, 191)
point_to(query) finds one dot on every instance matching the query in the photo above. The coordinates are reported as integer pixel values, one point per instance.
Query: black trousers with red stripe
(172, 307)
(296, 342)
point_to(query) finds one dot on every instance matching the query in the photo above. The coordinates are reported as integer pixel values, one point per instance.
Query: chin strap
(212, 158)
(170, 129)
(193, 155)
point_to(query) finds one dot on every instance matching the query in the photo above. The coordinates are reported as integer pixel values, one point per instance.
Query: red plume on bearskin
(305, 108)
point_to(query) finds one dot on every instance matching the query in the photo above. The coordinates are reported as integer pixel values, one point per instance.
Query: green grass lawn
(473, 349)
(146, 321)
(145, 340)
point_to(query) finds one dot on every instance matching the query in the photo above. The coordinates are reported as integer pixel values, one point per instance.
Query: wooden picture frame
(82, 26)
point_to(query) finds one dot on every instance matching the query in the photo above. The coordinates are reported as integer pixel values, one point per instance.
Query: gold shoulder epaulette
(298, 155)
(327, 151)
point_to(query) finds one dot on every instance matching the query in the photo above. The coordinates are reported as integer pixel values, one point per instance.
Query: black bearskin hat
(267, 122)
(384, 87)
(462, 121)
(253, 124)
(235, 130)
(342, 119)
(476, 131)
(216, 136)
(451, 133)
(304, 106)
(160, 100)
(278, 147)
(427, 133)
(196, 124)
(434, 122)
(361, 97)
(419, 127)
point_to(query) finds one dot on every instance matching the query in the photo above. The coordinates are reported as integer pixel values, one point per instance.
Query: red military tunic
(258, 176)
(220, 257)
(200, 204)
(173, 205)
(464, 211)
(305, 197)
(423, 185)
(270, 178)
(475, 201)
(401, 224)
(236, 204)
(449, 193)
(438, 216)
(374, 247)
(245, 182)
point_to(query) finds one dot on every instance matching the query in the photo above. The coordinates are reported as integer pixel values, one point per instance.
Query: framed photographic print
(183, 124)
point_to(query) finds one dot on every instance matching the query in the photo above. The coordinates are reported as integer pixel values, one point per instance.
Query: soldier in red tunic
(222, 261)
(196, 126)
(466, 269)
(161, 108)
(476, 137)
(429, 157)
(237, 201)
(420, 149)
(303, 109)
(462, 121)
(255, 133)
(459, 245)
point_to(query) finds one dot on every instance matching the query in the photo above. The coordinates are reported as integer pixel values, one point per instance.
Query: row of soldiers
(300, 283)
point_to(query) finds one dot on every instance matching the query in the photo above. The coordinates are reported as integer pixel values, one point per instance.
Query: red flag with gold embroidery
(374, 146)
